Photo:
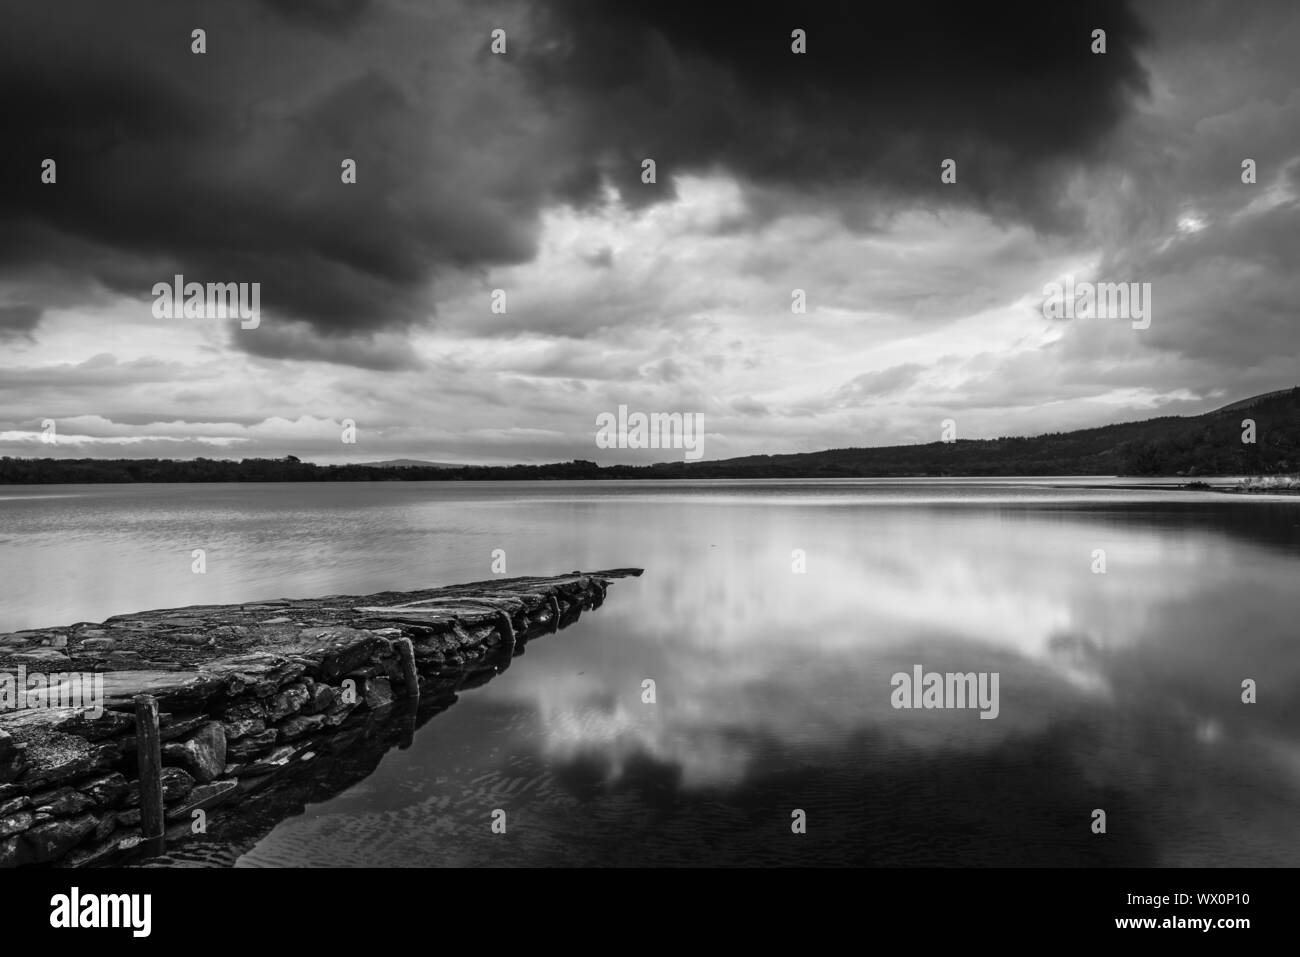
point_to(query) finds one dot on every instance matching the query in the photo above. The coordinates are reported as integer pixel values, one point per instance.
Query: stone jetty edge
(246, 692)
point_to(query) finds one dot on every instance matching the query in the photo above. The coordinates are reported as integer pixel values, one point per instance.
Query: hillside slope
(1209, 444)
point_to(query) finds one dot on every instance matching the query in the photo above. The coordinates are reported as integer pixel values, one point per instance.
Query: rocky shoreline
(275, 703)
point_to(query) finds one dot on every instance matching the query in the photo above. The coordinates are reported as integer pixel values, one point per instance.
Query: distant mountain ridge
(1199, 445)
(1206, 444)
(1253, 400)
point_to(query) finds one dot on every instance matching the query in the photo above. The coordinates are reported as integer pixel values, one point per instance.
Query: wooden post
(406, 656)
(505, 654)
(507, 629)
(409, 711)
(555, 614)
(149, 754)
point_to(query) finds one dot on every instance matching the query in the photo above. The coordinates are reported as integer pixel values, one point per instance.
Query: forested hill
(1209, 444)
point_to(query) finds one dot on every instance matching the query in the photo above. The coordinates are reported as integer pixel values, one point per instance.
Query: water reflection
(1119, 691)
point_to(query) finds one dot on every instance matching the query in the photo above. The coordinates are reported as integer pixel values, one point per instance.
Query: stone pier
(247, 695)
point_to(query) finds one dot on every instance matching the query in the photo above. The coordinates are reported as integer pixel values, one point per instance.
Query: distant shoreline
(38, 472)
(1219, 443)
(1195, 487)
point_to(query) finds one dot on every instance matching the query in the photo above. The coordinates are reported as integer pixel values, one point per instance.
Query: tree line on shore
(1210, 444)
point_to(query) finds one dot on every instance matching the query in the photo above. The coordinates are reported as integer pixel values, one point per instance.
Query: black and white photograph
(648, 434)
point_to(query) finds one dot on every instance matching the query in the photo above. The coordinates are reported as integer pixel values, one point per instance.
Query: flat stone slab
(164, 652)
(246, 693)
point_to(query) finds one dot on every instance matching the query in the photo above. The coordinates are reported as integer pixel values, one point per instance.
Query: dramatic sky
(776, 171)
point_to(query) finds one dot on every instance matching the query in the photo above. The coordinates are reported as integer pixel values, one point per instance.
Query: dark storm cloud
(18, 320)
(225, 166)
(324, 14)
(884, 93)
(296, 340)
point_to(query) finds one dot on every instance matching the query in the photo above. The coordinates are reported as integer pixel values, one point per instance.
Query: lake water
(1119, 691)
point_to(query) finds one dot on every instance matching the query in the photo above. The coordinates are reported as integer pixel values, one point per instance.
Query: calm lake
(1119, 691)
